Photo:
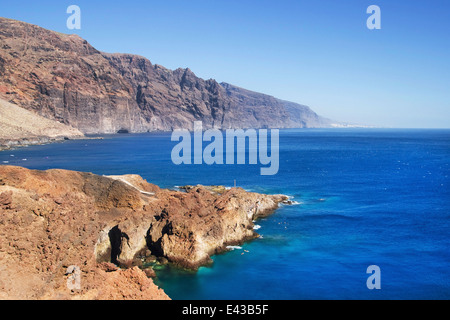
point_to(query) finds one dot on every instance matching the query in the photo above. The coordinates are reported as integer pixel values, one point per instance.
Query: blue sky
(318, 53)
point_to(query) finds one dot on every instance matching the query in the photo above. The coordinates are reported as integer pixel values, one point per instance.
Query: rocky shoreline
(112, 228)
(12, 144)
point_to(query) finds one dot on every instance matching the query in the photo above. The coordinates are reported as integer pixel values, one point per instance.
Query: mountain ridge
(64, 78)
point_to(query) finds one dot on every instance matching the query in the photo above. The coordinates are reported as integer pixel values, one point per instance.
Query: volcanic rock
(62, 77)
(104, 222)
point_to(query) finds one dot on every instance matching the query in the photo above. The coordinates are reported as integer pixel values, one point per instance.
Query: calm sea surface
(366, 197)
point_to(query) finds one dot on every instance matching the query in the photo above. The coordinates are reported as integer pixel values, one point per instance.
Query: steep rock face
(50, 220)
(301, 116)
(258, 108)
(62, 77)
(197, 224)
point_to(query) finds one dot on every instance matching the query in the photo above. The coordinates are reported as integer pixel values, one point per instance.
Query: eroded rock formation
(50, 220)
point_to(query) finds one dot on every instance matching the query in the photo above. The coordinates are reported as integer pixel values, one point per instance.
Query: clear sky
(316, 52)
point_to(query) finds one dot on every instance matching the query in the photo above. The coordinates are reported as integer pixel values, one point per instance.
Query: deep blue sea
(366, 197)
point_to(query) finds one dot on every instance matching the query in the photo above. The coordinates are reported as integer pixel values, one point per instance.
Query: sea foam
(234, 247)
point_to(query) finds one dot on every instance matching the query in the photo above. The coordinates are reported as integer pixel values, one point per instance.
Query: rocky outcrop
(51, 220)
(190, 227)
(63, 78)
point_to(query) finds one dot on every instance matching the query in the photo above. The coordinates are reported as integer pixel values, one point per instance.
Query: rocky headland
(110, 227)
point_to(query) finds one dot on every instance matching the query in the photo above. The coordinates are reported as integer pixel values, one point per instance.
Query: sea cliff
(108, 227)
(63, 78)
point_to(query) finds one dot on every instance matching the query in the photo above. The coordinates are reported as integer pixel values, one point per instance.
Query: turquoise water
(367, 197)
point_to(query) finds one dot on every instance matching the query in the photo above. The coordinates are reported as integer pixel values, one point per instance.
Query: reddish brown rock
(64, 218)
(62, 77)
(150, 273)
(108, 266)
(6, 199)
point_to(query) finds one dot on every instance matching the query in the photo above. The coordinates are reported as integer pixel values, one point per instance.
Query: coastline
(13, 144)
(110, 227)
(20, 128)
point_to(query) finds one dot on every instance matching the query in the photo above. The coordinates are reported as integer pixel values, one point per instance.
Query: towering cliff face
(62, 77)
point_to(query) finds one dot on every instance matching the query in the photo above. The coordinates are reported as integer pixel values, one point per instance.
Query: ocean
(364, 197)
